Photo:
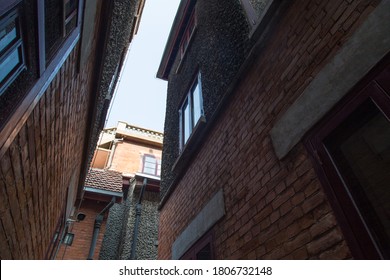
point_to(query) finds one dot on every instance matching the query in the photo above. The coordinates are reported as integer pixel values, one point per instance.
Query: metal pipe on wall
(98, 223)
(138, 210)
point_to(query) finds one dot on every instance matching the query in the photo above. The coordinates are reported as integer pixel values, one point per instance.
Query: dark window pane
(204, 253)
(360, 148)
(7, 36)
(71, 25)
(70, 7)
(53, 26)
(9, 64)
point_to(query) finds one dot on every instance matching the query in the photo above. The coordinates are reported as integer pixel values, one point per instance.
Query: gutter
(138, 210)
(98, 223)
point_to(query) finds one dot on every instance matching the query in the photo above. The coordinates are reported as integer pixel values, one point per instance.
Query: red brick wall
(36, 170)
(274, 209)
(83, 232)
(128, 156)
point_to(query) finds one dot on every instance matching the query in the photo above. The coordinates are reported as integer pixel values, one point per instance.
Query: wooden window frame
(46, 74)
(357, 233)
(188, 34)
(15, 45)
(193, 124)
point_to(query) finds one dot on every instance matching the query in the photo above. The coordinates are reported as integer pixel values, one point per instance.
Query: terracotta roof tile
(104, 180)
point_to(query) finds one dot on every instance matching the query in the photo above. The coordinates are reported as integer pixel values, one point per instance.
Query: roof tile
(104, 180)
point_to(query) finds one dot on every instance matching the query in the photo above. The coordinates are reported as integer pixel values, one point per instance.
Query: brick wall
(128, 156)
(36, 170)
(274, 209)
(83, 232)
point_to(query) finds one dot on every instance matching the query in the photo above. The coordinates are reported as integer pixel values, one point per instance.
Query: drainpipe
(114, 143)
(137, 220)
(96, 228)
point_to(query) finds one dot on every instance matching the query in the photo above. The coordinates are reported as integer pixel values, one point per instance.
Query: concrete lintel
(207, 217)
(367, 46)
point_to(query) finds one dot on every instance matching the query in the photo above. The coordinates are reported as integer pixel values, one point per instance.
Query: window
(11, 49)
(191, 111)
(201, 250)
(190, 29)
(151, 165)
(69, 16)
(352, 155)
(60, 20)
(255, 10)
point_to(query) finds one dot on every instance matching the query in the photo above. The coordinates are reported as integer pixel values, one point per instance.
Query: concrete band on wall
(367, 46)
(207, 217)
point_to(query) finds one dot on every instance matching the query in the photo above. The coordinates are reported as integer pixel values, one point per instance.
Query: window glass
(11, 50)
(53, 26)
(9, 64)
(70, 7)
(360, 149)
(7, 36)
(191, 111)
(70, 15)
(150, 165)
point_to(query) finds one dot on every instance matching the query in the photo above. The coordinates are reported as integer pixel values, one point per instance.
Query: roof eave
(173, 38)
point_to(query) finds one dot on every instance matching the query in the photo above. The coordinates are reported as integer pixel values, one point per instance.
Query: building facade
(276, 142)
(119, 207)
(59, 64)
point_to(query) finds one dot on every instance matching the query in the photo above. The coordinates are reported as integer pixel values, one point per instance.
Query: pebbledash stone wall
(275, 209)
(118, 237)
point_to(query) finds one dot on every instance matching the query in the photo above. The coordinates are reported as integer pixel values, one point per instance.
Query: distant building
(277, 133)
(59, 64)
(126, 155)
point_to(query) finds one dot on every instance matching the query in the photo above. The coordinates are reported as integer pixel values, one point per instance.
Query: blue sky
(141, 97)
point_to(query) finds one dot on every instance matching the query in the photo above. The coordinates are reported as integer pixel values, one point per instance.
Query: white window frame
(192, 122)
(156, 168)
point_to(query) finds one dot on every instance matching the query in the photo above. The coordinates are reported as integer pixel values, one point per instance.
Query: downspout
(96, 228)
(114, 143)
(137, 220)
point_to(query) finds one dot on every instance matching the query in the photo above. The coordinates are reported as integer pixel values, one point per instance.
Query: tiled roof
(104, 180)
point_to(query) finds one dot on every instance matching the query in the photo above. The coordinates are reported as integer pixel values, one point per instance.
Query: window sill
(191, 146)
(263, 19)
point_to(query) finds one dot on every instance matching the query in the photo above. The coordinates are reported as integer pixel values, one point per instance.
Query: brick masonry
(275, 209)
(83, 232)
(36, 170)
(128, 156)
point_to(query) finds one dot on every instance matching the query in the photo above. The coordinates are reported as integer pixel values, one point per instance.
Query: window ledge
(334, 81)
(263, 19)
